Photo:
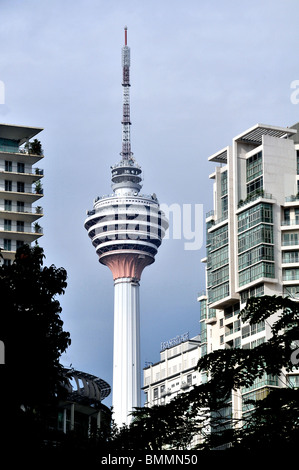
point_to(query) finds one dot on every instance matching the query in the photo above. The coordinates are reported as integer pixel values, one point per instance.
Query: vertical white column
(126, 353)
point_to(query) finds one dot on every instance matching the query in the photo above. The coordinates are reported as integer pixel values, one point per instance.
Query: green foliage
(34, 147)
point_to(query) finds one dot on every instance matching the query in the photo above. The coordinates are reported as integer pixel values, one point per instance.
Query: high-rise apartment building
(20, 188)
(252, 242)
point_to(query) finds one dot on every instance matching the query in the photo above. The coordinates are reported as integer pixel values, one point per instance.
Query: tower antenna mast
(126, 123)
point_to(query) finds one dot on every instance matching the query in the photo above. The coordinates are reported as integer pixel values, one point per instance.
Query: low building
(83, 411)
(175, 373)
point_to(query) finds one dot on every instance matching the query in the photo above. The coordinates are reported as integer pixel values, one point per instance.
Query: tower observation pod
(126, 229)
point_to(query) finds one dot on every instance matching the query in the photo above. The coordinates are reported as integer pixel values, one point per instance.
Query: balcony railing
(292, 198)
(221, 219)
(33, 229)
(35, 171)
(16, 149)
(290, 276)
(290, 222)
(253, 197)
(22, 210)
(210, 214)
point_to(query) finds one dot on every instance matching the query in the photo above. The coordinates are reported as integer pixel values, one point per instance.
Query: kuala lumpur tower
(126, 229)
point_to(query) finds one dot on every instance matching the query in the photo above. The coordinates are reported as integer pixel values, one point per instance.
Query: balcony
(22, 234)
(20, 155)
(27, 197)
(23, 176)
(253, 197)
(292, 198)
(290, 243)
(289, 222)
(16, 213)
(290, 274)
(210, 214)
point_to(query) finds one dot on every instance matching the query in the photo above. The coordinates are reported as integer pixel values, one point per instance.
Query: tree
(31, 328)
(34, 147)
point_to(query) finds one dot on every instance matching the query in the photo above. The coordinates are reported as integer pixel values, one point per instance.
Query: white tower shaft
(126, 353)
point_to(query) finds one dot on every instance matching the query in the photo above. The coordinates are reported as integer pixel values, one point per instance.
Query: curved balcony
(129, 226)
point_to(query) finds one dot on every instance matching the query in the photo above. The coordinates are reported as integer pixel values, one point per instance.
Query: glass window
(255, 186)
(262, 269)
(245, 331)
(260, 253)
(20, 226)
(7, 205)
(259, 234)
(8, 185)
(291, 291)
(224, 183)
(7, 225)
(21, 168)
(7, 244)
(219, 237)
(290, 238)
(219, 292)
(20, 206)
(8, 166)
(290, 256)
(286, 214)
(290, 274)
(293, 381)
(20, 187)
(254, 166)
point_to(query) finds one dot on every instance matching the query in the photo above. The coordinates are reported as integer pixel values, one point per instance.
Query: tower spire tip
(126, 29)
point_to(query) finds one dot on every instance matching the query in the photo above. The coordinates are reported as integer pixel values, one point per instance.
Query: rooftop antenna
(126, 139)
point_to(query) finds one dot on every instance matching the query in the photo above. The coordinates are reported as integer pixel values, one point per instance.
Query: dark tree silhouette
(32, 332)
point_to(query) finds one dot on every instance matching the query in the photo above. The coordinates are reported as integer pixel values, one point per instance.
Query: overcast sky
(202, 71)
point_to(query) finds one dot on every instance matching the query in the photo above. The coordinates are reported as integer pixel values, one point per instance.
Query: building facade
(175, 373)
(82, 411)
(252, 243)
(20, 188)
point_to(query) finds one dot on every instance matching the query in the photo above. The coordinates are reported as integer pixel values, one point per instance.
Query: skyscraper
(126, 229)
(252, 242)
(20, 187)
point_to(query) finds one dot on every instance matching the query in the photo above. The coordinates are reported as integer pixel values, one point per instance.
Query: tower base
(126, 352)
